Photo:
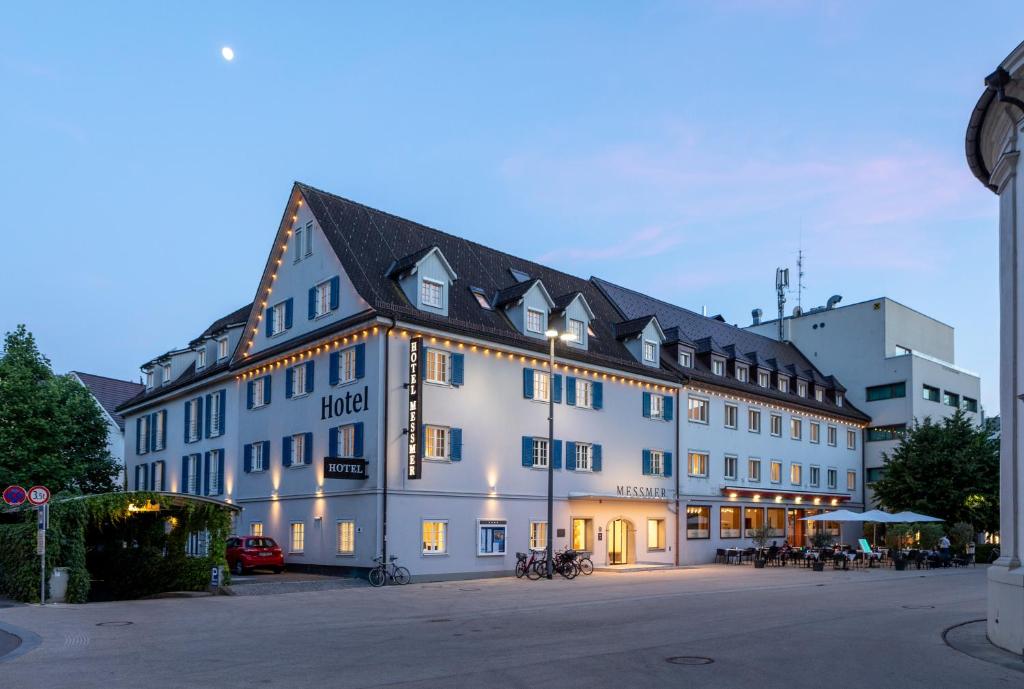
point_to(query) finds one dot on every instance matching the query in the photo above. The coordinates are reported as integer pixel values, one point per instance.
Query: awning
(798, 497)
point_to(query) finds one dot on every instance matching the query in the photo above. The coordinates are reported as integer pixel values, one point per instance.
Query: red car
(248, 552)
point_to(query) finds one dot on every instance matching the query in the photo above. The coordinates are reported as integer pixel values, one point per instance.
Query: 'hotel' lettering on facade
(415, 458)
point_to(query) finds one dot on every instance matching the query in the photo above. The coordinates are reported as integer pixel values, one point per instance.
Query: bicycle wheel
(376, 576)
(401, 576)
(520, 569)
(535, 571)
(566, 569)
(586, 566)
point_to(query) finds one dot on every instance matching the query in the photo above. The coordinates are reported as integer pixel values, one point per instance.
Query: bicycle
(381, 573)
(585, 564)
(564, 563)
(526, 567)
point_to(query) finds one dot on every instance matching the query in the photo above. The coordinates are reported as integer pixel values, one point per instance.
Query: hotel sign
(414, 454)
(641, 492)
(352, 469)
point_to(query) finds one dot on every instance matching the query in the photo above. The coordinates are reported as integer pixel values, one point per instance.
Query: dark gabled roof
(707, 345)
(760, 350)
(235, 318)
(403, 264)
(110, 393)
(632, 327)
(733, 353)
(674, 336)
(368, 241)
(513, 292)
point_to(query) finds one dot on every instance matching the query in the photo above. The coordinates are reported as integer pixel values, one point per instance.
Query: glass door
(618, 542)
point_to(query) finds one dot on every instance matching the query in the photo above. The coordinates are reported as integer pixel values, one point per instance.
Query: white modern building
(993, 144)
(388, 391)
(109, 393)
(897, 363)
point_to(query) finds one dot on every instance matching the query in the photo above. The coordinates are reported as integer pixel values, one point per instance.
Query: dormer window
(763, 379)
(742, 373)
(222, 348)
(166, 374)
(801, 388)
(686, 359)
(718, 367)
(819, 394)
(650, 351)
(575, 328)
(590, 332)
(839, 399)
(481, 298)
(201, 357)
(519, 275)
(783, 384)
(150, 378)
(534, 321)
(432, 293)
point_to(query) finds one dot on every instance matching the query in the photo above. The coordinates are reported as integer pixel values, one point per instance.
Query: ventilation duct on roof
(755, 315)
(833, 300)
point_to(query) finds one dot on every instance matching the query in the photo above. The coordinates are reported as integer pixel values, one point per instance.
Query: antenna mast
(781, 284)
(800, 277)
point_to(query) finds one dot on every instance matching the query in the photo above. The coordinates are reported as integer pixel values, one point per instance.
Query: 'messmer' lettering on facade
(415, 458)
(641, 492)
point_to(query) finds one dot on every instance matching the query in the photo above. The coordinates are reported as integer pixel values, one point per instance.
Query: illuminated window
(796, 428)
(584, 393)
(437, 442)
(534, 321)
(729, 522)
(697, 410)
(753, 519)
(698, 521)
(732, 413)
(540, 385)
(776, 521)
(815, 432)
(438, 366)
(775, 471)
(851, 480)
(580, 534)
(432, 293)
(255, 528)
(346, 537)
(576, 330)
(698, 464)
(754, 420)
(655, 534)
(796, 474)
(435, 537)
(538, 535)
(298, 537)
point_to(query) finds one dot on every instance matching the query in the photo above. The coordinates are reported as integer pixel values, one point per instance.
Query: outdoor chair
(720, 556)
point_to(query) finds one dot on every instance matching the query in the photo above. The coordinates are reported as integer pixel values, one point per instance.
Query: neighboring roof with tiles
(110, 392)
(368, 242)
(758, 349)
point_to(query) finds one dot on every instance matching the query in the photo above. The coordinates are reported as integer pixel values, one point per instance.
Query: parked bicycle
(525, 566)
(564, 562)
(382, 573)
(584, 562)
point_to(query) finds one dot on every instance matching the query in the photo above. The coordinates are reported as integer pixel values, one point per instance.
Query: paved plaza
(758, 628)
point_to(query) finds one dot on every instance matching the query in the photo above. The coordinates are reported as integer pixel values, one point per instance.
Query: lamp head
(551, 334)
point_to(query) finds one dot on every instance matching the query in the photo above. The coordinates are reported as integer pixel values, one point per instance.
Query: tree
(52, 432)
(948, 469)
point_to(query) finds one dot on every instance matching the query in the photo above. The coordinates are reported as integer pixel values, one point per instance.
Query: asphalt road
(759, 628)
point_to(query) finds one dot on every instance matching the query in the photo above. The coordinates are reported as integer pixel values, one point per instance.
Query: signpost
(414, 454)
(38, 496)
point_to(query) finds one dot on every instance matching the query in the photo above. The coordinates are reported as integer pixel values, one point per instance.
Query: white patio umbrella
(880, 517)
(914, 517)
(836, 516)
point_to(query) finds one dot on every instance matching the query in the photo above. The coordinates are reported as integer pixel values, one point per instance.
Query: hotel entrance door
(620, 541)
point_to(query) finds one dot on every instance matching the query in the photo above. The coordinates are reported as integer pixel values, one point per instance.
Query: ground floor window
(753, 519)
(777, 521)
(492, 537)
(298, 537)
(255, 528)
(581, 534)
(538, 535)
(729, 522)
(698, 521)
(346, 537)
(198, 544)
(655, 534)
(435, 537)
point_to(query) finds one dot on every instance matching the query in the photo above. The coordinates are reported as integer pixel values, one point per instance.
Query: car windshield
(260, 543)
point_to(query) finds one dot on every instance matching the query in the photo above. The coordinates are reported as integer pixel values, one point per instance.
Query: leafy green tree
(948, 469)
(52, 432)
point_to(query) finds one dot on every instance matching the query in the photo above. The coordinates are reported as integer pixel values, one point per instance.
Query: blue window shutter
(152, 432)
(360, 360)
(332, 442)
(669, 404)
(527, 451)
(268, 322)
(335, 292)
(188, 415)
(247, 459)
(207, 417)
(455, 442)
(266, 389)
(266, 454)
(163, 429)
(289, 376)
(647, 463)
(308, 454)
(138, 486)
(557, 389)
(184, 475)
(220, 472)
(458, 369)
(286, 451)
(163, 477)
(668, 464)
(528, 384)
(357, 439)
(309, 375)
(597, 395)
(595, 459)
(223, 411)
(288, 313)
(152, 476)
(570, 456)
(206, 473)
(334, 364)
(138, 436)
(312, 303)
(556, 455)
(647, 405)
(248, 395)
(570, 391)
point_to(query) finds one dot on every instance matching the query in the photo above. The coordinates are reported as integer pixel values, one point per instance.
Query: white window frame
(298, 450)
(299, 381)
(735, 416)
(801, 388)
(439, 367)
(215, 416)
(541, 453)
(432, 293)
(851, 480)
(764, 379)
(735, 461)
(742, 373)
(438, 544)
(584, 393)
(704, 462)
(753, 462)
(783, 384)
(158, 476)
(686, 359)
(347, 365)
(851, 439)
(213, 477)
(775, 470)
(347, 440)
(193, 420)
(150, 378)
(322, 305)
(222, 349)
(832, 434)
(538, 535)
(541, 385)
(832, 476)
(297, 538)
(297, 243)
(814, 476)
(839, 399)
(773, 420)
(814, 432)
(257, 392)
(195, 465)
(819, 394)
(718, 367)
(345, 532)
(534, 315)
(796, 428)
(657, 463)
(201, 357)
(584, 458)
(751, 415)
(159, 432)
(165, 373)
(650, 351)
(309, 238)
(277, 316)
(796, 473)
(576, 327)
(436, 437)
(698, 404)
(257, 462)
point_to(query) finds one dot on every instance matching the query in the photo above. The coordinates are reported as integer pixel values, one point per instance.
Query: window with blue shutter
(335, 363)
(312, 303)
(668, 464)
(289, 376)
(332, 442)
(222, 426)
(247, 459)
(528, 383)
(647, 405)
(188, 416)
(557, 389)
(138, 436)
(248, 395)
(288, 313)
(138, 473)
(455, 444)
(570, 391)
(335, 292)
(286, 451)
(360, 360)
(184, 475)
(528, 448)
(265, 454)
(266, 389)
(152, 432)
(308, 447)
(595, 457)
(268, 322)
(570, 456)
(647, 463)
(458, 376)
(152, 476)
(597, 395)
(220, 472)
(309, 376)
(669, 404)
(207, 417)
(357, 439)
(206, 474)
(556, 455)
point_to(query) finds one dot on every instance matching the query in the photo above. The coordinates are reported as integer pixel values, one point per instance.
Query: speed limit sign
(38, 495)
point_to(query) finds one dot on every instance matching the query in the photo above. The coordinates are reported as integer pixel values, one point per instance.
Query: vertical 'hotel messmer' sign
(414, 459)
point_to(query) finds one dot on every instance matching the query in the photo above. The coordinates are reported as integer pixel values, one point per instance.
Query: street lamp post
(552, 335)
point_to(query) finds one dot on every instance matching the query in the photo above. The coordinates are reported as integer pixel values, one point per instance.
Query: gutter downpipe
(384, 446)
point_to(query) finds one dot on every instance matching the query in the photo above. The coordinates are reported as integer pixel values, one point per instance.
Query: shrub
(983, 553)
(960, 535)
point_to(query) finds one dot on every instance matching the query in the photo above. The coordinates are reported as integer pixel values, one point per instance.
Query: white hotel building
(675, 434)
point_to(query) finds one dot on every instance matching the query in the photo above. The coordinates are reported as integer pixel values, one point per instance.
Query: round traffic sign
(38, 495)
(14, 495)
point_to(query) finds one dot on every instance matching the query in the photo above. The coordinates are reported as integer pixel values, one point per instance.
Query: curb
(29, 640)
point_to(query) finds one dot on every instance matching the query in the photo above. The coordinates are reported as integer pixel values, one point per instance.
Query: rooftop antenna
(781, 284)
(800, 272)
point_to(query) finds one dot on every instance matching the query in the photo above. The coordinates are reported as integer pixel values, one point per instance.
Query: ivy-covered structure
(117, 545)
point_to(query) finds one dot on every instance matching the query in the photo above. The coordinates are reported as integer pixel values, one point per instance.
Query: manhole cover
(470, 588)
(918, 607)
(441, 619)
(113, 624)
(819, 584)
(689, 660)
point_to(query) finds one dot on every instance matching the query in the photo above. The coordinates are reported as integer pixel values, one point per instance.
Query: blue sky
(683, 149)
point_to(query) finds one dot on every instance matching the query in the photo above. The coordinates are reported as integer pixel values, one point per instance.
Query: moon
(227, 53)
